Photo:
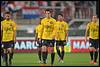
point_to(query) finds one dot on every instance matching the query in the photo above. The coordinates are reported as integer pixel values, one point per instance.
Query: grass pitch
(70, 59)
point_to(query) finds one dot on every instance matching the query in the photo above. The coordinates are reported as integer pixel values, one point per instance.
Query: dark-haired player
(8, 29)
(38, 35)
(93, 30)
(47, 35)
(61, 34)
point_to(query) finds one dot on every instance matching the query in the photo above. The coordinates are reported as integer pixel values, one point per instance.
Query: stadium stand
(76, 13)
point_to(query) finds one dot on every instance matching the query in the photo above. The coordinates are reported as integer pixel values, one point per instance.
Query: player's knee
(5, 51)
(90, 49)
(10, 50)
(44, 48)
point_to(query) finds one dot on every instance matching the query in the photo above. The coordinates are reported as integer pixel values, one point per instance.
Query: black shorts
(2, 50)
(39, 43)
(94, 43)
(61, 43)
(49, 43)
(9, 44)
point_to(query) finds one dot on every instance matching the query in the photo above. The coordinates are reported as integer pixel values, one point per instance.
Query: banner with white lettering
(74, 44)
(79, 45)
(25, 46)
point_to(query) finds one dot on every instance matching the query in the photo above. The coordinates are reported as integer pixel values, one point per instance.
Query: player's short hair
(7, 13)
(41, 18)
(50, 10)
(60, 14)
(94, 16)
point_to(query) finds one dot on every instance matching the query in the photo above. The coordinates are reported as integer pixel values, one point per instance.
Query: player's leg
(46, 54)
(96, 51)
(52, 52)
(95, 57)
(58, 50)
(39, 49)
(44, 50)
(62, 53)
(39, 53)
(11, 51)
(91, 50)
(5, 56)
(2, 54)
(62, 48)
(91, 54)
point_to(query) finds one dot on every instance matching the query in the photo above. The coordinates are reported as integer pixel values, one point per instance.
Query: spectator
(42, 3)
(77, 9)
(4, 3)
(72, 7)
(57, 10)
(97, 8)
(85, 10)
(12, 7)
(67, 12)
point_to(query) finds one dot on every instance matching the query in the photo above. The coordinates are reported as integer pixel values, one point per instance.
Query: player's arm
(66, 35)
(54, 29)
(36, 35)
(66, 32)
(41, 33)
(1, 31)
(14, 37)
(86, 32)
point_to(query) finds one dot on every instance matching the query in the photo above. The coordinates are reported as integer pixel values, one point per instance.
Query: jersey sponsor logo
(51, 22)
(62, 25)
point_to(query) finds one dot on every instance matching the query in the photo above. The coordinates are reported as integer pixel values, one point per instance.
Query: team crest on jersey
(10, 24)
(62, 25)
(51, 22)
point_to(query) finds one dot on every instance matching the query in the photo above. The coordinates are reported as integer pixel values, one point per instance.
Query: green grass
(70, 59)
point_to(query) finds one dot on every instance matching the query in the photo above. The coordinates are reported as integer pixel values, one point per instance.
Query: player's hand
(85, 39)
(14, 40)
(67, 39)
(53, 37)
(98, 49)
(39, 39)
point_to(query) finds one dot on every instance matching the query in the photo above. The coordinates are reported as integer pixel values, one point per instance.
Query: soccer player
(93, 30)
(38, 35)
(47, 36)
(8, 28)
(60, 34)
(2, 51)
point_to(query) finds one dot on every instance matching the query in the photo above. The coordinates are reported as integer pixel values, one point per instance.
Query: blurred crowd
(70, 9)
